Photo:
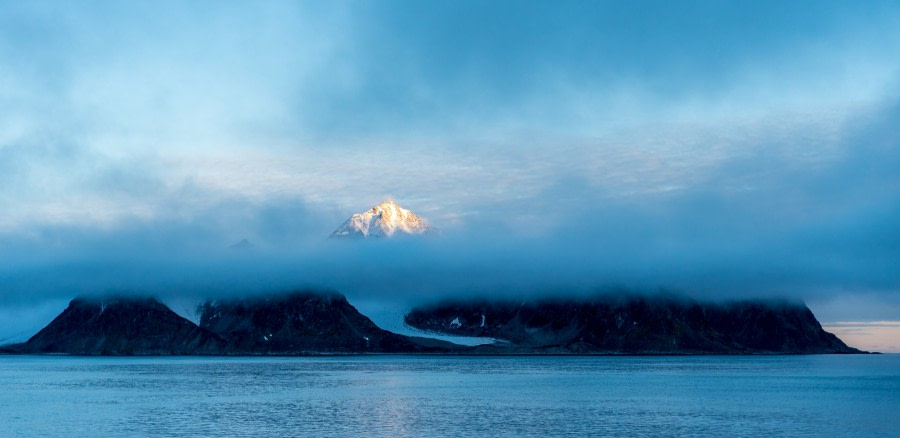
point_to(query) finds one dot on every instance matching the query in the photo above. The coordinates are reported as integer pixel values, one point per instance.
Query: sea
(449, 396)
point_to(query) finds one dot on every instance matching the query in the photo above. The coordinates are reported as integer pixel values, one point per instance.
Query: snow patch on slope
(389, 316)
(187, 308)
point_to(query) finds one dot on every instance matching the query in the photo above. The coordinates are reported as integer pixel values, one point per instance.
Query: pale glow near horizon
(876, 336)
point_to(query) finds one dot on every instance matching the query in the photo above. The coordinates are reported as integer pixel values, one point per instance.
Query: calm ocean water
(451, 396)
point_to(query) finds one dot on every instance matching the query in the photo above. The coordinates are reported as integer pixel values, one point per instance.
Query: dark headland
(633, 325)
(310, 323)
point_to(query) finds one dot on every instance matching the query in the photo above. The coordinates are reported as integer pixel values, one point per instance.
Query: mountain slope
(299, 323)
(121, 326)
(383, 220)
(635, 325)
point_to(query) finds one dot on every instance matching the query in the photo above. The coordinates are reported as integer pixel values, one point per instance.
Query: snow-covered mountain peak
(382, 220)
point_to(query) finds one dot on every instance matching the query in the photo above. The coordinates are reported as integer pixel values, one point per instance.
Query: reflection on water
(431, 395)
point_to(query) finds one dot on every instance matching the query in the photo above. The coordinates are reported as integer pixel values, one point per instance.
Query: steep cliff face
(121, 326)
(635, 325)
(298, 323)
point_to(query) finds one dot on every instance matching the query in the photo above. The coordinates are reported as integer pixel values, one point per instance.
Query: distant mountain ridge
(383, 220)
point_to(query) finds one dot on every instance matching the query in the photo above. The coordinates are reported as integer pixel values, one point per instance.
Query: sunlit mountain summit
(383, 220)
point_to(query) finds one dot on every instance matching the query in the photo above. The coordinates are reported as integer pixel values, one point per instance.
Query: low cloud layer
(720, 151)
(754, 226)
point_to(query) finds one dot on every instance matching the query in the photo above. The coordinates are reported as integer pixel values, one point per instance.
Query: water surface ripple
(468, 396)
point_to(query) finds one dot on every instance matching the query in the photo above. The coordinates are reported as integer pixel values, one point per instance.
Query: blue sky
(724, 149)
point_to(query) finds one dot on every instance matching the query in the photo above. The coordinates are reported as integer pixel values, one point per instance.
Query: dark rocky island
(121, 326)
(632, 325)
(306, 323)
